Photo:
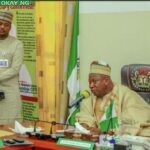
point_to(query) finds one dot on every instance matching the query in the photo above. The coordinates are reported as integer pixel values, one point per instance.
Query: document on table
(5, 133)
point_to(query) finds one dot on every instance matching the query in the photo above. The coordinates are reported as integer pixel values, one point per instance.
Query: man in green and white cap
(11, 58)
(112, 108)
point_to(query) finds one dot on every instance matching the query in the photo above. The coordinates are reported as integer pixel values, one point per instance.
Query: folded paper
(22, 130)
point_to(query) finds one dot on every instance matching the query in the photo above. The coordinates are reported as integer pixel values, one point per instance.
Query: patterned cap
(100, 68)
(6, 16)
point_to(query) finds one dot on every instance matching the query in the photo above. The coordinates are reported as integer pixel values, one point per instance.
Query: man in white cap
(113, 107)
(11, 58)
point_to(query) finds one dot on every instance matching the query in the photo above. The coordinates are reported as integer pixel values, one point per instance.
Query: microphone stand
(53, 123)
(73, 110)
(34, 129)
(45, 136)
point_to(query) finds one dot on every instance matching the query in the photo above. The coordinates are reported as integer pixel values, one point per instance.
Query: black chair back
(137, 78)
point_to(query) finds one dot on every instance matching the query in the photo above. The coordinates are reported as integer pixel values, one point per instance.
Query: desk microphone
(44, 136)
(84, 94)
(52, 123)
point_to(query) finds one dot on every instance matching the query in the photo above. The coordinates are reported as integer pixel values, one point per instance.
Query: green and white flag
(73, 66)
(109, 121)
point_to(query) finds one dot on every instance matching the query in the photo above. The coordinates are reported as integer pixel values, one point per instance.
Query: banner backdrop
(23, 27)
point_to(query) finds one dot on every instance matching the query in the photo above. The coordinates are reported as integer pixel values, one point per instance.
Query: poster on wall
(23, 27)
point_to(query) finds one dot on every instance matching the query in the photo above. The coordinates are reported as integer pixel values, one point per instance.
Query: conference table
(38, 144)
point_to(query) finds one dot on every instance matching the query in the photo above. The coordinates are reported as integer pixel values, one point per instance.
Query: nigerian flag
(73, 66)
(109, 121)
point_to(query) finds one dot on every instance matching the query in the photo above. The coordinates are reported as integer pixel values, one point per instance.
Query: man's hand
(94, 130)
(84, 125)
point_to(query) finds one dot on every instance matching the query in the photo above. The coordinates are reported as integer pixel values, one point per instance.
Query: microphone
(84, 94)
(44, 136)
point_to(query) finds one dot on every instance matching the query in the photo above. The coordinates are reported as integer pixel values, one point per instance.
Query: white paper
(81, 128)
(22, 130)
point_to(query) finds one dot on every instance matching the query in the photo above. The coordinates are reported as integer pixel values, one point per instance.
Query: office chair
(137, 78)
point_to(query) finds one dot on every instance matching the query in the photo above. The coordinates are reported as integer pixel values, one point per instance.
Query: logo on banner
(15, 2)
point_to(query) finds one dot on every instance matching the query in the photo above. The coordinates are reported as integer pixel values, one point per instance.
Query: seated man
(112, 105)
